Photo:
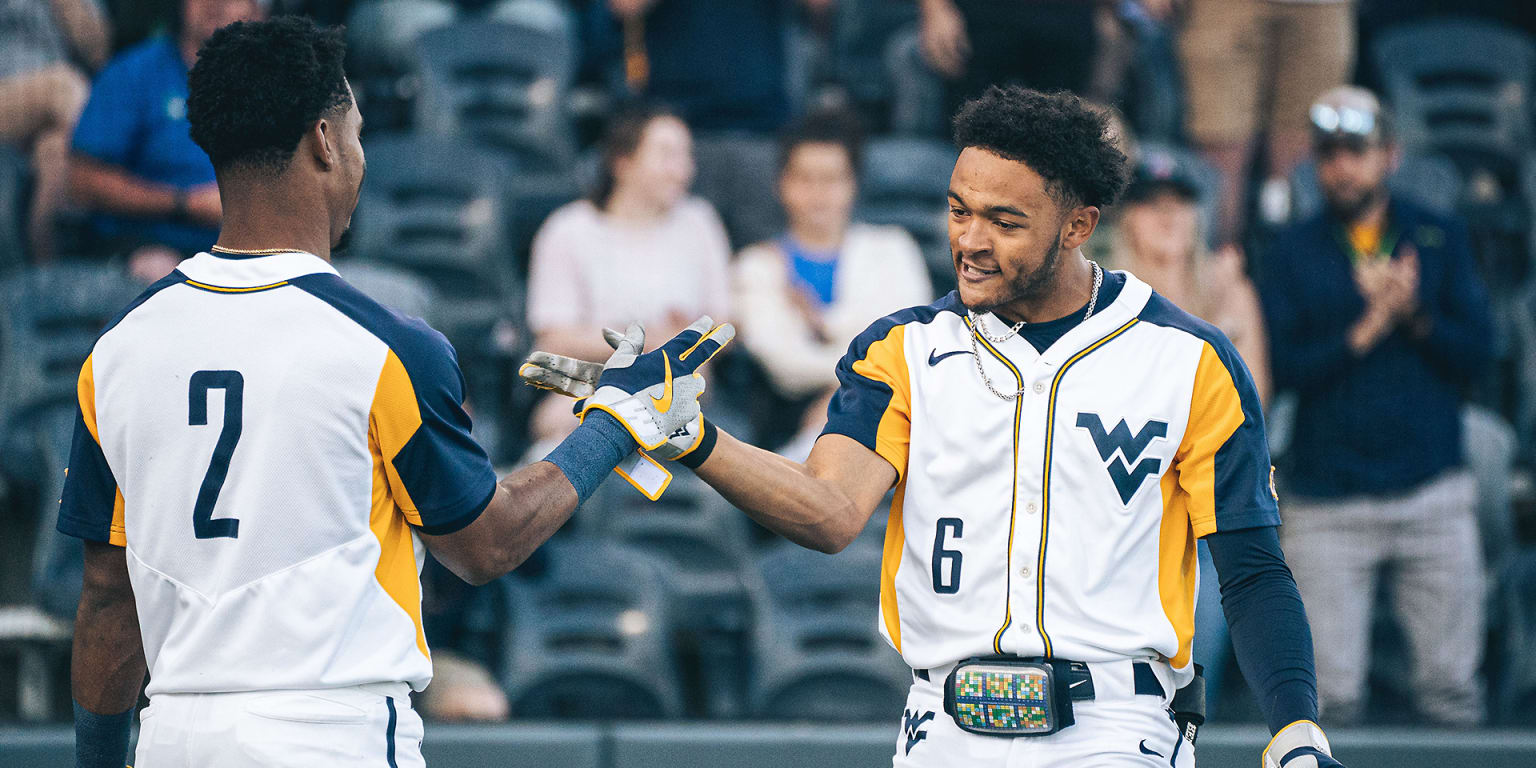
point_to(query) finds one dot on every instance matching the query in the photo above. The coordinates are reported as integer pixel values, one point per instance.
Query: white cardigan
(879, 271)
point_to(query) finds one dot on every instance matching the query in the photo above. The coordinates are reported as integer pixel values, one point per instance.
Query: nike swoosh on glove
(653, 394)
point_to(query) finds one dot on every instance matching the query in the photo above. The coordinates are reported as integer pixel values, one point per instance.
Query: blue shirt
(1389, 420)
(136, 120)
(815, 271)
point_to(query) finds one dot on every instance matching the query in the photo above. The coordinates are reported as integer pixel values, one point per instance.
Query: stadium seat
(589, 637)
(51, 318)
(1514, 615)
(381, 34)
(905, 183)
(1489, 445)
(544, 15)
(1459, 86)
(738, 174)
(420, 211)
(13, 209)
(1525, 367)
(861, 34)
(501, 85)
(394, 288)
(704, 542)
(381, 55)
(1427, 178)
(531, 198)
(917, 93)
(820, 655)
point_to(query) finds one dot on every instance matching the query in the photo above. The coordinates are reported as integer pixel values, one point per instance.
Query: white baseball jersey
(1063, 523)
(263, 439)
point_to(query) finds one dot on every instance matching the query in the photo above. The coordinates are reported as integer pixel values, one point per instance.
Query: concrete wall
(774, 745)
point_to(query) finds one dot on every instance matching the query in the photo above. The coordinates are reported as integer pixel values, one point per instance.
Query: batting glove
(1301, 744)
(655, 395)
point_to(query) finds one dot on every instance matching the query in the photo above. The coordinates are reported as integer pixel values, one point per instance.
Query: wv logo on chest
(1124, 469)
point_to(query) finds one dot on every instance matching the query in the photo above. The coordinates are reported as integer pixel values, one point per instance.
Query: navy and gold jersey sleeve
(1223, 460)
(91, 507)
(434, 470)
(438, 475)
(873, 402)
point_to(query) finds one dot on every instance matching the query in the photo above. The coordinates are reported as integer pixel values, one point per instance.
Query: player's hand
(1301, 744)
(653, 394)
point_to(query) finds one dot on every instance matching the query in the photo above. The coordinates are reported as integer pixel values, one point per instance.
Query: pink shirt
(588, 269)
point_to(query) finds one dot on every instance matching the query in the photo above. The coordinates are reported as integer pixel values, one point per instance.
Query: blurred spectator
(802, 297)
(1377, 320)
(1157, 238)
(43, 93)
(134, 163)
(1253, 66)
(640, 249)
(1044, 44)
(724, 65)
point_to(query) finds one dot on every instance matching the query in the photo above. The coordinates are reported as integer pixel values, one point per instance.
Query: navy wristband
(101, 741)
(696, 457)
(591, 452)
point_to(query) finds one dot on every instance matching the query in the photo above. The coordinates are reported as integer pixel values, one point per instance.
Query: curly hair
(258, 86)
(1058, 136)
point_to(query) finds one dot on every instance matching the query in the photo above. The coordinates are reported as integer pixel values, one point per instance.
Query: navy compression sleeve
(1268, 625)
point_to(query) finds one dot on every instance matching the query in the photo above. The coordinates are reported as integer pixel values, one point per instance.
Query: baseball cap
(1347, 115)
(1159, 171)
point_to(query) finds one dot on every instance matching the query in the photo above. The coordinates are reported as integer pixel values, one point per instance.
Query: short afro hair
(258, 86)
(1059, 137)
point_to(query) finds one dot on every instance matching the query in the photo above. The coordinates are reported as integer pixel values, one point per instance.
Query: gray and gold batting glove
(664, 418)
(1301, 744)
(579, 379)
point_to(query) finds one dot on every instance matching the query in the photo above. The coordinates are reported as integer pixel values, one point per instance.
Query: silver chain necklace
(978, 330)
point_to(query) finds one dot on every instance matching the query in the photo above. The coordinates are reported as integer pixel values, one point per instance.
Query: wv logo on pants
(1128, 477)
(913, 725)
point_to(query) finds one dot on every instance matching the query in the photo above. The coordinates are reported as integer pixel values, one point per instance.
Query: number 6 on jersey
(233, 384)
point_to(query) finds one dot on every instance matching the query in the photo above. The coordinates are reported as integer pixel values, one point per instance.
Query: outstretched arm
(107, 667)
(821, 504)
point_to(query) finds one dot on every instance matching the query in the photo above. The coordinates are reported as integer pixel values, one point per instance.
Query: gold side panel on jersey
(886, 361)
(1045, 483)
(1215, 414)
(1013, 501)
(85, 392)
(393, 420)
(890, 561)
(389, 427)
(1189, 494)
(1176, 566)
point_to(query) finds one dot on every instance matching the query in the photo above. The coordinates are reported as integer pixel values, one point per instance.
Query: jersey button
(1039, 387)
(1031, 508)
(1024, 571)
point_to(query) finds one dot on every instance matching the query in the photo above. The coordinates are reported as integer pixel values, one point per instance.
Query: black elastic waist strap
(1144, 680)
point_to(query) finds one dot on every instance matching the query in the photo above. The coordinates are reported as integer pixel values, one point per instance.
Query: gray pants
(1428, 538)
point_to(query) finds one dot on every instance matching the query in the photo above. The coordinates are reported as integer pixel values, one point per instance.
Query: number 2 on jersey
(233, 384)
(952, 526)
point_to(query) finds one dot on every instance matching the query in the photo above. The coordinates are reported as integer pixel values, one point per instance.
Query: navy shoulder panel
(881, 328)
(174, 278)
(422, 350)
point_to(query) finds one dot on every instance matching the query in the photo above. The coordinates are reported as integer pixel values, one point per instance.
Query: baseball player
(1058, 437)
(262, 453)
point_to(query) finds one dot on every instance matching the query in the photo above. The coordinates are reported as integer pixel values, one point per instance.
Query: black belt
(1080, 681)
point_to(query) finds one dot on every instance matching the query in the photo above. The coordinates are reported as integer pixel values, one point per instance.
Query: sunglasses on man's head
(1329, 120)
